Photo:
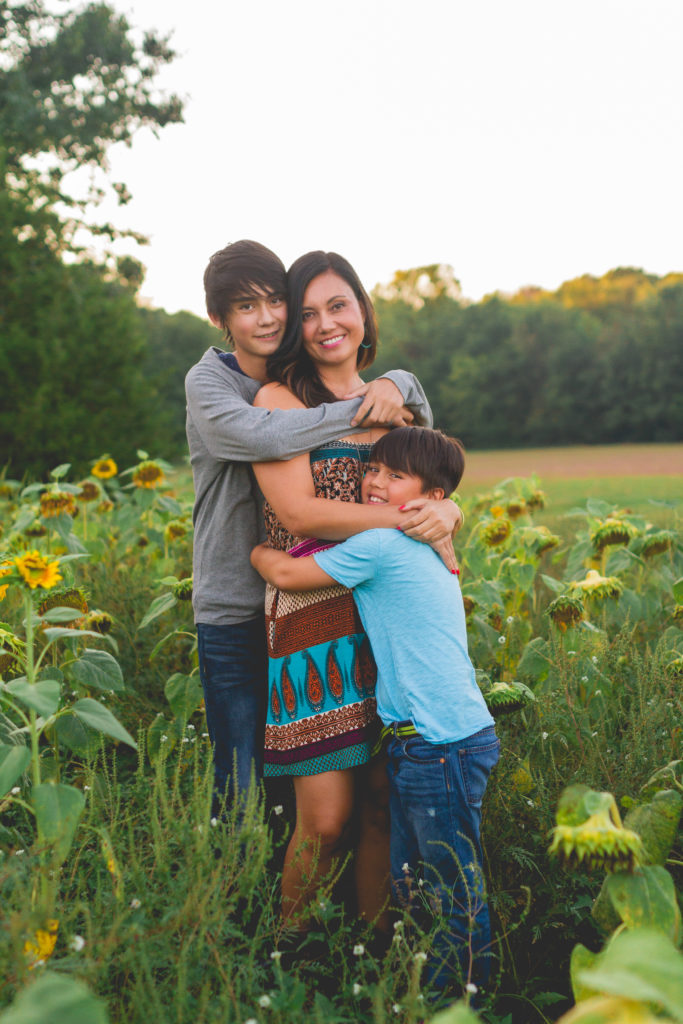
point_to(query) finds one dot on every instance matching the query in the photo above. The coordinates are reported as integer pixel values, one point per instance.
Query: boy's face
(256, 323)
(384, 486)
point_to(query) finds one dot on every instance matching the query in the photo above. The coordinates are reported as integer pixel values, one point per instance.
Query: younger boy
(442, 742)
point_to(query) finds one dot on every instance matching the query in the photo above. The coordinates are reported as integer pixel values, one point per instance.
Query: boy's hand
(433, 523)
(382, 405)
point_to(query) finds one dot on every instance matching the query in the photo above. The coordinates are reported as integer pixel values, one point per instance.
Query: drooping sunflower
(597, 587)
(88, 492)
(54, 503)
(105, 468)
(599, 841)
(536, 500)
(495, 533)
(657, 543)
(612, 531)
(64, 598)
(515, 508)
(36, 571)
(565, 611)
(174, 530)
(183, 589)
(148, 474)
(99, 621)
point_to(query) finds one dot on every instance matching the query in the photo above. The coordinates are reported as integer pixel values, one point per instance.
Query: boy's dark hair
(291, 365)
(438, 460)
(236, 271)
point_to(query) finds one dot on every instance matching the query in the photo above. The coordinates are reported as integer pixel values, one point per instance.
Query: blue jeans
(233, 668)
(435, 801)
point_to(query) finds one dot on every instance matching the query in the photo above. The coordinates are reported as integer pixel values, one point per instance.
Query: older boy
(442, 743)
(245, 285)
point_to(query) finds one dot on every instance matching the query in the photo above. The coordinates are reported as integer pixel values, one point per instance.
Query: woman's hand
(382, 405)
(433, 523)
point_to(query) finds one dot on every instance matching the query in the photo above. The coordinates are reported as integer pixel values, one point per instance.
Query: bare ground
(577, 462)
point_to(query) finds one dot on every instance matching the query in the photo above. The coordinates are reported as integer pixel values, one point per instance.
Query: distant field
(630, 475)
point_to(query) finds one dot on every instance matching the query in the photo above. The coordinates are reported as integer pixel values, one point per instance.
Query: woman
(321, 722)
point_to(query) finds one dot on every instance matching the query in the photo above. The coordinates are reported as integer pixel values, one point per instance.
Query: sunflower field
(121, 899)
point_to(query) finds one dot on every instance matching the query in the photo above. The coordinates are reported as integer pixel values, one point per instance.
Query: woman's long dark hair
(291, 365)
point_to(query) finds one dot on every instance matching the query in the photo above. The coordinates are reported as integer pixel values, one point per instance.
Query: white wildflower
(501, 640)
(471, 988)
(275, 955)
(544, 735)
(264, 1001)
(510, 619)
(77, 943)
(278, 809)
(190, 727)
(398, 925)
(358, 949)
(213, 822)
(357, 989)
(17, 853)
(396, 1008)
(135, 903)
(15, 789)
(420, 956)
(164, 738)
(405, 869)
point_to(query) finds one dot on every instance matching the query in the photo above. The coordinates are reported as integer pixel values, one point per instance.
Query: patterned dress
(321, 674)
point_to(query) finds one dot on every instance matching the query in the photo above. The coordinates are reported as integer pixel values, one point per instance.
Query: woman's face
(333, 320)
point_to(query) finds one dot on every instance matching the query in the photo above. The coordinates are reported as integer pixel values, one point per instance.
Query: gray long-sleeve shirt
(226, 434)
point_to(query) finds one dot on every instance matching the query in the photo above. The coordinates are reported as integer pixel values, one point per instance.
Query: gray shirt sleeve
(413, 396)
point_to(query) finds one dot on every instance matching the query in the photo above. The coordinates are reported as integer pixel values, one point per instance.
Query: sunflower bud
(183, 589)
(590, 832)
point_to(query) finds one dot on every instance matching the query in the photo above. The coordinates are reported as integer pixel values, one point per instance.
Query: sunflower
(71, 598)
(502, 698)
(469, 604)
(105, 506)
(99, 622)
(657, 543)
(174, 530)
(41, 947)
(183, 589)
(516, 507)
(589, 831)
(565, 611)
(597, 587)
(148, 474)
(612, 531)
(35, 569)
(5, 570)
(53, 503)
(536, 500)
(88, 492)
(495, 533)
(104, 469)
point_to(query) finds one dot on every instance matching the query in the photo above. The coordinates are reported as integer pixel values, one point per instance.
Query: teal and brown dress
(321, 712)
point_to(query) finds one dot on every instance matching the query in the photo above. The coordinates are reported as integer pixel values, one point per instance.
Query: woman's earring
(364, 345)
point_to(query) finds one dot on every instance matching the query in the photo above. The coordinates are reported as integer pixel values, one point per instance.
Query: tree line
(86, 371)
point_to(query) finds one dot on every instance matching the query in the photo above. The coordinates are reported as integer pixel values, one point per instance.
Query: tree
(73, 83)
(72, 348)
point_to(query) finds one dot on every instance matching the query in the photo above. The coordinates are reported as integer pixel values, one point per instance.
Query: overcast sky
(522, 142)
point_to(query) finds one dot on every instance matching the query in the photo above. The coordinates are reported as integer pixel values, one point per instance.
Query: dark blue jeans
(435, 801)
(233, 668)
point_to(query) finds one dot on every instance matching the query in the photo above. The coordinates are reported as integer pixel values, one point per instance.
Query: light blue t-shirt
(412, 611)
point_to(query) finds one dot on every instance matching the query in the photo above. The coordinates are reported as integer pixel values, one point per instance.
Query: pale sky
(521, 141)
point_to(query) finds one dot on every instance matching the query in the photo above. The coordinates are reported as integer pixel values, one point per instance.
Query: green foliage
(598, 361)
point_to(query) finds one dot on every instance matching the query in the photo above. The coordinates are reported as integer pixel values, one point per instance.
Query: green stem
(31, 677)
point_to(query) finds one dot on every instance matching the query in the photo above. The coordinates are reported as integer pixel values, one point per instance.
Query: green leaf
(62, 614)
(646, 899)
(641, 965)
(457, 1013)
(14, 760)
(76, 736)
(184, 694)
(60, 471)
(58, 810)
(94, 714)
(657, 824)
(557, 586)
(535, 662)
(581, 958)
(678, 590)
(597, 507)
(57, 999)
(98, 669)
(59, 633)
(158, 606)
(43, 696)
